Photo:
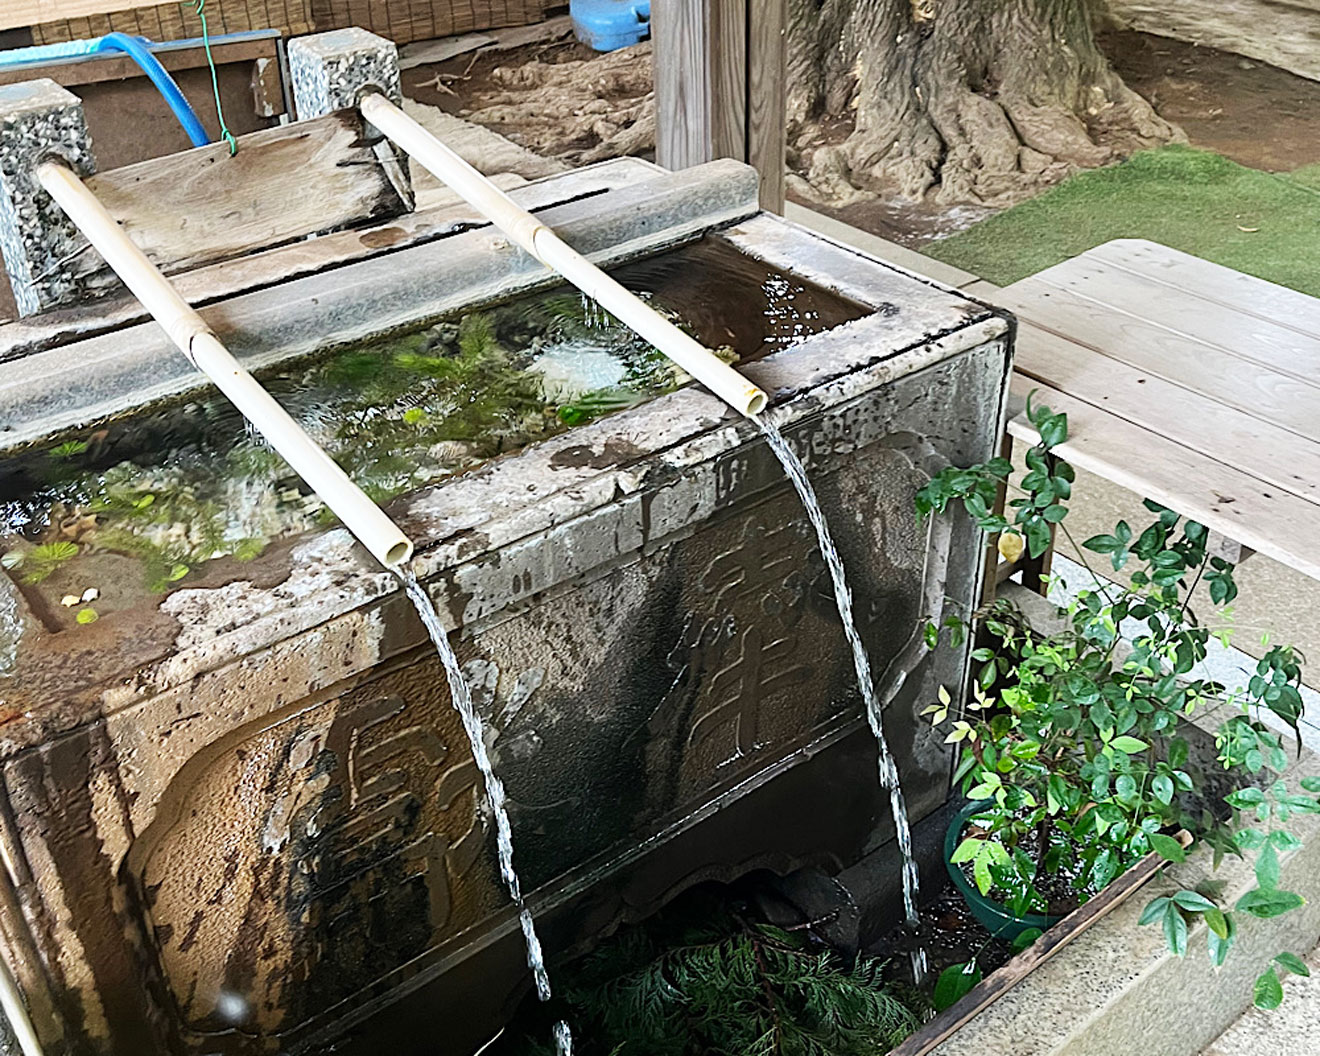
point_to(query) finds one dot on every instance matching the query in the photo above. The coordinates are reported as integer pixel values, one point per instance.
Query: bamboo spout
(15, 1011)
(195, 339)
(547, 247)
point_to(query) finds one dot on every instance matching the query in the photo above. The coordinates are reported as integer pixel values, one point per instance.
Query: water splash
(797, 474)
(475, 729)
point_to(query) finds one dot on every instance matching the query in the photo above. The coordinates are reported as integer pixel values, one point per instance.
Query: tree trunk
(988, 99)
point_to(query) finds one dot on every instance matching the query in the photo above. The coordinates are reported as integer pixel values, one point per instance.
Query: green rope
(225, 134)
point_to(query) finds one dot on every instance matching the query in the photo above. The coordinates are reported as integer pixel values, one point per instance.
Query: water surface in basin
(95, 520)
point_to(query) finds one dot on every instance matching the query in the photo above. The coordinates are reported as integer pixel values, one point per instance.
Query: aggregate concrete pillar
(39, 120)
(331, 70)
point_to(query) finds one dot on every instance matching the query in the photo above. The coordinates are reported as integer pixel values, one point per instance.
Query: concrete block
(330, 71)
(39, 120)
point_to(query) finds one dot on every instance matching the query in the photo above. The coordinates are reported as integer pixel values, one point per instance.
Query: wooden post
(720, 86)
(767, 98)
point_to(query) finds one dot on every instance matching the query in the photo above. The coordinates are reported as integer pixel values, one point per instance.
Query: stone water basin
(239, 812)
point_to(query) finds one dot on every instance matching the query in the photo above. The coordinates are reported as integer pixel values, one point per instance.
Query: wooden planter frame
(1002, 980)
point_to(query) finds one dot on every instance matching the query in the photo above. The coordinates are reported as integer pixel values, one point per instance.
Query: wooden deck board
(1246, 443)
(1177, 270)
(1195, 314)
(1221, 377)
(1224, 499)
(1185, 382)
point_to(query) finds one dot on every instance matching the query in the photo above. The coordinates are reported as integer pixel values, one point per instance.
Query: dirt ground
(561, 99)
(555, 97)
(1257, 115)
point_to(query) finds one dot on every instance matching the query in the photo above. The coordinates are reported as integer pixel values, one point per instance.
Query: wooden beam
(767, 99)
(201, 206)
(15, 14)
(94, 69)
(680, 34)
(720, 86)
(727, 79)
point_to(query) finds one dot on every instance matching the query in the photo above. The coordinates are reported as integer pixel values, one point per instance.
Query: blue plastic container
(607, 25)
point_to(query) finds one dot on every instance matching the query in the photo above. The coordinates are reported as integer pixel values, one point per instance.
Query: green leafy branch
(1070, 743)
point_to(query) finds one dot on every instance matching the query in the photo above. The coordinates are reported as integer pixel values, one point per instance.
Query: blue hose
(137, 49)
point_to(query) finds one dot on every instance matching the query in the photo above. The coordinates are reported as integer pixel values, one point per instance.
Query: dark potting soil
(1058, 888)
(950, 935)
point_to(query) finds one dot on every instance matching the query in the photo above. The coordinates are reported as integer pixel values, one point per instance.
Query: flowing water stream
(797, 474)
(474, 727)
(476, 734)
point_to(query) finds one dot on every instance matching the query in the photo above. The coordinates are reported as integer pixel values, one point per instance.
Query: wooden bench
(1186, 382)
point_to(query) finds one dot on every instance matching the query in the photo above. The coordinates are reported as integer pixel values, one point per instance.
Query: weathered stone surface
(330, 71)
(270, 831)
(39, 120)
(80, 382)
(1290, 1030)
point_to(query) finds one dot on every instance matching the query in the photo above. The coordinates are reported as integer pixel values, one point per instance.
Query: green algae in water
(193, 483)
(133, 508)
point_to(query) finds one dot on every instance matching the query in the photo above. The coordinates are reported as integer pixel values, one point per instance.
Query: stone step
(1293, 1029)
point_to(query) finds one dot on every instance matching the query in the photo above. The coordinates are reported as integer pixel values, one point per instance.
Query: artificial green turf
(1189, 199)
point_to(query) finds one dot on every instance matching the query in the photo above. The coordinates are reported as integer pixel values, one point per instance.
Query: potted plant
(1072, 753)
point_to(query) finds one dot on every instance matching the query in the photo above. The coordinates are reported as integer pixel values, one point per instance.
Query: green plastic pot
(991, 915)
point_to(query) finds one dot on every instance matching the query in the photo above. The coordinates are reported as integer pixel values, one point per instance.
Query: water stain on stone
(615, 452)
(382, 238)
